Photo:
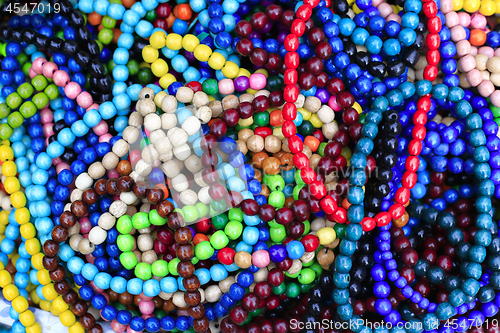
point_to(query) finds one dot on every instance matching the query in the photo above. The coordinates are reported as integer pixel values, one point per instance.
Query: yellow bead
(202, 52)
(9, 169)
(49, 292)
(174, 42)
(471, 6)
(4, 217)
(243, 72)
(497, 8)
(262, 71)
(216, 61)
(3, 227)
(211, 98)
(10, 292)
(144, 65)
(230, 70)
(315, 121)
(20, 304)
(35, 328)
(28, 230)
(67, 318)
(150, 54)
(458, 5)
(159, 97)
(190, 42)
(18, 199)
(357, 107)
(14, 257)
(35, 298)
(76, 328)
(12, 185)
(488, 8)
(59, 304)
(27, 318)
(356, 9)
(245, 122)
(6, 153)
(22, 215)
(54, 311)
(159, 67)
(43, 277)
(346, 152)
(33, 246)
(251, 91)
(306, 114)
(326, 235)
(37, 261)
(5, 278)
(158, 40)
(45, 305)
(278, 132)
(167, 80)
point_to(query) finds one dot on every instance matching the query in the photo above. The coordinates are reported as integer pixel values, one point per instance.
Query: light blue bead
(59, 114)
(65, 252)
(121, 56)
(197, 5)
(126, 40)
(25, 179)
(107, 110)
(125, 28)
(234, 58)
(121, 123)
(218, 272)
(101, 7)
(179, 63)
(122, 102)
(197, 147)
(92, 118)
(192, 74)
(33, 277)
(168, 285)
(347, 26)
(19, 149)
(204, 18)
(44, 225)
(85, 6)
(359, 36)
(120, 73)
(151, 288)
(149, 4)
(40, 177)
(134, 286)
(251, 235)
(231, 268)
(219, 76)
(102, 280)
(118, 284)
(75, 265)
(229, 22)
(40, 293)
(133, 92)
(38, 192)
(115, 11)
(242, 246)
(169, 53)
(235, 184)
(89, 271)
(230, 6)
(79, 128)
(180, 285)
(44, 161)
(137, 7)
(247, 195)
(183, 114)
(225, 171)
(144, 29)
(66, 137)
(155, 88)
(203, 275)
(374, 44)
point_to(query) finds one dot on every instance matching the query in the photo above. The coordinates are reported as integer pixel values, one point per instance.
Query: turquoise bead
(355, 213)
(415, 326)
(407, 89)
(455, 236)
(481, 154)
(374, 116)
(456, 298)
(484, 221)
(440, 91)
(341, 280)
(358, 177)
(463, 108)
(446, 220)
(482, 171)
(365, 145)
(486, 187)
(451, 283)
(477, 138)
(340, 296)
(483, 238)
(380, 103)
(436, 275)
(347, 247)
(486, 294)
(345, 311)
(455, 94)
(444, 311)
(395, 97)
(494, 262)
(354, 232)
(355, 195)
(495, 280)
(343, 264)
(470, 287)
(430, 322)
(423, 87)
(473, 270)
(474, 122)
(358, 161)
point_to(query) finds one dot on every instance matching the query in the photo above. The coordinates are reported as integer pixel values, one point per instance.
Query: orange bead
(276, 118)
(128, 3)
(170, 20)
(94, 18)
(477, 37)
(198, 238)
(312, 142)
(345, 204)
(164, 189)
(183, 11)
(100, 27)
(116, 34)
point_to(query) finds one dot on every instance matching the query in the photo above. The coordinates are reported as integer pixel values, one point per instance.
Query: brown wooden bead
(96, 329)
(158, 302)
(80, 308)
(71, 297)
(113, 296)
(59, 234)
(87, 321)
(67, 220)
(90, 196)
(140, 189)
(288, 202)
(11, 268)
(271, 166)
(124, 168)
(112, 186)
(79, 208)
(201, 324)
(50, 248)
(126, 298)
(125, 184)
(137, 300)
(197, 311)
(185, 252)
(165, 208)
(62, 288)
(58, 274)
(193, 298)
(185, 269)
(286, 161)
(175, 221)
(100, 187)
(168, 306)
(155, 195)
(191, 283)
(50, 263)
(183, 236)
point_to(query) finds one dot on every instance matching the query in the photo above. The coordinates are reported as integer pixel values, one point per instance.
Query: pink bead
(37, 65)
(495, 98)
(92, 284)
(376, 3)
(226, 86)
(94, 106)
(85, 225)
(145, 298)
(182, 312)
(147, 132)
(486, 50)
(84, 99)
(46, 115)
(486, 88)
(473, 51)
(117, 327)
(451, 19)
(446, 6)
(332, 102)
(497, 53)
(474, 77)
(393, 17)
(62, 166)
(134, 157)
(113, 174)
(105, 295)
(49, 69)
(477, 21)
(146, 316)
(467, 63)
(72, 90)
(56, 161)
(385, 9)
(101, 128)
(105, 138)
(47, 129)
(258, 81)
(261, 258)
(116, 197)
(463, 48)
(457, 33)
(147, 307)
(61, 78)
(156, 163)
(464, 19)
(32, 73)
(129, 330)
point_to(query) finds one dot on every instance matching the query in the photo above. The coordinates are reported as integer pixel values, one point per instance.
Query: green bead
(298, 178)
(219, 221)
(210, 87)
(235, 214)
(292, 290)
(279, 290)
(204, 250)
(278, 234)
(14, 100)
(321, 149)
(39, 82)
(125, 242)
(306, 128)
(28, 109)
(219, 240)
(274, 83)
(151, 15)
(307, 227)
(155, 218)
(159, 268)
(316, 268)
(276, 183)
(143, 271)
(256, 312)
(128, 260)
(172, 266)
(261, 118)
(145, 76)
(15, 119)
(247, 321)
(41, 100)
(22, 58)
(308, 264)
(304, 288)
(108, 22)
(5, 131)
(190, 213)
(133, 67)
(52, 91)
(340, 230)
(4, 110)
(105, 36)
(25, 90)
(233, 229)
(124, 225)
(218, 206)
(292, 276)
(140, 220)
(277, 199)
(202, 209)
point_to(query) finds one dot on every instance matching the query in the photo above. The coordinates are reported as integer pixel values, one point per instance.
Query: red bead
(163, 10)
(430, 72)
(314, 65)
(291, 93)
(420, 118)
(333, 149)
(402, 195)
(160, 23)
(263, 131)
(298, 27)
(258, 20)
(433, 41)
(308, 175)
(307, 81)
(274, 12)
(231, 117)
(287, 18)
(295, 144)
(238, 315)
(274, 62)
(318, 189)
(433, 57)
(328, 204)
(275, 277)
(368, 224)
(335, 86)
(424, 103)
(340, 215)
(418, 132)
(259, 57)
(291, 76)
(445, 263)
(359, 307)
(345, 99)
(289, 129)
(434, 25)
(292, 60)
(300, 160)
(323, 50)
(315, 35)
(195, 86)
(310, 242)
(409, 179)
(263, 289)
(244, 47)
(304, 12)
(407, 272)
(291, 43)
(312, 3)
(401, 243)
(226, 256)
(243, 29)
(382, 219)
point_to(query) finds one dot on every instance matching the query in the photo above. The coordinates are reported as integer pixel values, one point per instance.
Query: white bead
(147, 106)
(170, 169)
(188, 197)
(204, 114)
(180, 183)
(145, 242)
(149, 154)
(135, 119)
(200, 99)
(191, 125)
(96, 170)
(143, 168)
(184, 95)
(106, 221)
(204, 196)
(296, 267)
(110, 160)
(76, 194)
(84, 181)
(225, 284)
(97, 235)
(74, 241)
(120, 148)
(130, 134)
(128, 197)
(169, 104)
(85, 246)
(152, 122)
(326, 114)
(118, 208)
(213, 294)
(177, 136)
(182, 152)
(193, 164)
(261, 275)
(178, 299)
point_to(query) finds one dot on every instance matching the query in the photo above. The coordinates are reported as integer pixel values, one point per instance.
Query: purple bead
(462, 309)
(477, 317)
(471, 305)
(241, 83)
(391, 265)
(393, 317)
(377, 272)
(407, 291)
(385, 246)
(393, 275)
(281, 37)
(416, 298)
(385, 235)
(495, 160)
(157, 176)
(383, 306)
(255, 34)
(446, 328)
(267, 28)
(424, 303)
(401, 282)
(432, 307)
(386, 255)
(323, 95)
(489, 309)
(377, 257)
(381, 289)
(277, 253)
(189, 56)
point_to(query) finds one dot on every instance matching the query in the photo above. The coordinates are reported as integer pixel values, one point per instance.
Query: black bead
(76, 19)
(419, 41)
(358, 273)
(316, 294)
(390, 144)
(411, 56)
(377, 69)
(314, 308)
(84, 34)
(326, 281)
(420, 27)
(29, 36)
(82, 58)
(350, 49)
(340, 6)
(70, 47)
(390, 115)
(66, 8)
(392, 128)
(388, 160)
(105, 84)
(96, 68)
(69, 156)
(106, 97)
(58, 126)
(17, 36)
(365, 260)
(55, 44)
(52, 138)
(355, 288)
(362, 59)
(384, 175)
(93, 48)
(396, 68)
(5, 33)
